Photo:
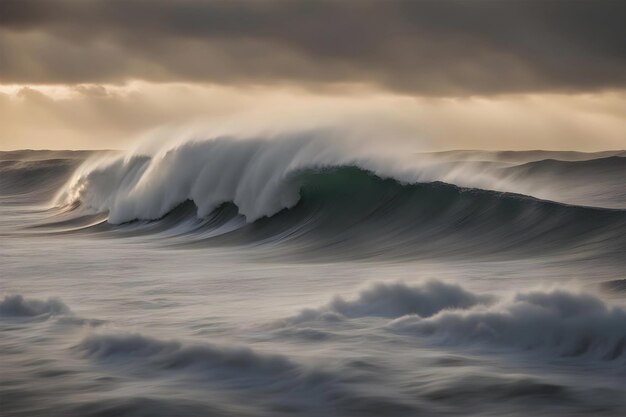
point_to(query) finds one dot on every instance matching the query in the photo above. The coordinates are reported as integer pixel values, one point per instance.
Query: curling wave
(260, 176)
(349, 211)
(316, 195)
(309, 193)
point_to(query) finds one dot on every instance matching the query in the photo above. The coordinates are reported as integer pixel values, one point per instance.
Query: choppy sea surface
(257, 277)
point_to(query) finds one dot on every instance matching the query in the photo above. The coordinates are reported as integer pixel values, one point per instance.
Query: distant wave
(597, 182)
(174, 355)
(15, 305)
(614, 286)
(40, 178)
(392, 300)
(611, 164)
(522, 157)
(18, 307)
(37, 175)
(558, 322)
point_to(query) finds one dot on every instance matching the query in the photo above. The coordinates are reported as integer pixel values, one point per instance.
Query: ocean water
(294, 276)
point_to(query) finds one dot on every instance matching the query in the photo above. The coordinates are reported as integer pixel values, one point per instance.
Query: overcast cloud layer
(434, 74)
(415, 47)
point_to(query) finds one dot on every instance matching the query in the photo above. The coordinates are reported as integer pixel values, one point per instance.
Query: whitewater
(310, 274)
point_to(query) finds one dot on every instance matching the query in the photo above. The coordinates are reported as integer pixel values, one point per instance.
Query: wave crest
(252, 174)
(561, 322)
(324, 199)
(391, 300)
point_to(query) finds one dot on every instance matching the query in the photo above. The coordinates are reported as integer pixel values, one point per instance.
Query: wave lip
(558, 322)
(249, 173)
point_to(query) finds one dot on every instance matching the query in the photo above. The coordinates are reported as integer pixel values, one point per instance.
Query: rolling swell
(37, 175)
(595, 182)
(38, 178)
(18, 306)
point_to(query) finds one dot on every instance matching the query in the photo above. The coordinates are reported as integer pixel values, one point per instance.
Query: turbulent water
(298, 276)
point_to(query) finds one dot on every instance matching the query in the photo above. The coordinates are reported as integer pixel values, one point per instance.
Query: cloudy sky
(502, 74)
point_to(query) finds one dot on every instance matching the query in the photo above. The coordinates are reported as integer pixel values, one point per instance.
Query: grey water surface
(357, 294)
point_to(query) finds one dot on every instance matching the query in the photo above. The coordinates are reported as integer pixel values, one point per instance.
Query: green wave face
(352, 212)
(347, 212)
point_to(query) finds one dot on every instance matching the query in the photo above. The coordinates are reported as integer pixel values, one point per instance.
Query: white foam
(253, 173)
(250, 173)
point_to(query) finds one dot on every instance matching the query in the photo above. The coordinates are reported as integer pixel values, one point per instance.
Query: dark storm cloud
(426, 47)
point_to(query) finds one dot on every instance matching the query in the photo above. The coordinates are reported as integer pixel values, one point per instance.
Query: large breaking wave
(320, 195)
(261, 176)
